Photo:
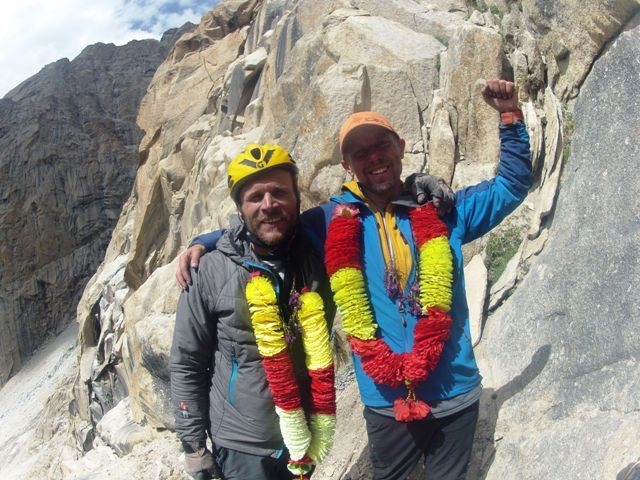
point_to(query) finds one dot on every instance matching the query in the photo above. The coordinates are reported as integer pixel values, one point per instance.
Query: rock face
(561, 357)
(68, 157)
(290, 72)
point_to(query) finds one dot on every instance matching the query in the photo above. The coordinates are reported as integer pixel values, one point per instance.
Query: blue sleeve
(315, 223)
(209, 240)
(481, 207)
(515, 159)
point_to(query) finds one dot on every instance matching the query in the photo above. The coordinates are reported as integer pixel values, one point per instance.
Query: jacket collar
(352, 193)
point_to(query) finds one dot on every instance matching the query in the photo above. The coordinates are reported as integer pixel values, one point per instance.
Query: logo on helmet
(260, 162)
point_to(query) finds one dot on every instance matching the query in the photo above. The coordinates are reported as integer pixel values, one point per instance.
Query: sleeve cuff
(509, 118)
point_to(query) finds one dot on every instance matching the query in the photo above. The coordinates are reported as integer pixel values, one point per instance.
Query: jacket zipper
(234, 372)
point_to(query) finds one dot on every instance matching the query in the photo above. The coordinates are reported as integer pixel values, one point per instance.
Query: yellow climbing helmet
(254, 161)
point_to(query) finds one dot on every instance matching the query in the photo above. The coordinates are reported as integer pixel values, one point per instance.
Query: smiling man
(251, 365)
(263, 184)
(268, 211)
(409, 328)
(373, 155)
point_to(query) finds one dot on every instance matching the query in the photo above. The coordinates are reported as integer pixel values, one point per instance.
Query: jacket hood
(235, 244)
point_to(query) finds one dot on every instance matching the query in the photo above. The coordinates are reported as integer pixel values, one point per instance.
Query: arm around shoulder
(208, 240)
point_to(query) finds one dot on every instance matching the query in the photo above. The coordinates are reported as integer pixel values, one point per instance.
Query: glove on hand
(425, 187)
(201, 465)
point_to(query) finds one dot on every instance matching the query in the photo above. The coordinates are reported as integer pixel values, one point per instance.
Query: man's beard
(270, 241)
(379, 188)
(275, 241)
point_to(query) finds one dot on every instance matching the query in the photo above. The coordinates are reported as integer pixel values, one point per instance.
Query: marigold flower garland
(308, 443)
(344, 266)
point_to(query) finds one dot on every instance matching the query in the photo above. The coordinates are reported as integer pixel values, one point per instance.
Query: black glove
(200, 464)
(425, 187)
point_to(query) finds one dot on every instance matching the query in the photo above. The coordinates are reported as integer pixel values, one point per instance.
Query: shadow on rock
(490, 404)
(630, 472)
(361, 469)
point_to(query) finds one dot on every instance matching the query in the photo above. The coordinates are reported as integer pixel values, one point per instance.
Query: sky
(35, 33)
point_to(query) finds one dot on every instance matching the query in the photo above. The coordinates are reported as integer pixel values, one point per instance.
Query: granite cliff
(68, 157)
(555, 326)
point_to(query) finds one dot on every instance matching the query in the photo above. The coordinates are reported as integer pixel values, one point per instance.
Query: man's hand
(425, 187)
(501, 95)
(188, 259)
(201, 465)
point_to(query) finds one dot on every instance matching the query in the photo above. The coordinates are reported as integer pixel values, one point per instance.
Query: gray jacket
(218, 384)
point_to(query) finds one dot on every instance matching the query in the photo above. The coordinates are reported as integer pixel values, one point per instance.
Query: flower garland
(308, 443)
(344, 266)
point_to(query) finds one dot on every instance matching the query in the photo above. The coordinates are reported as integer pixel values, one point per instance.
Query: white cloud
(36, 33)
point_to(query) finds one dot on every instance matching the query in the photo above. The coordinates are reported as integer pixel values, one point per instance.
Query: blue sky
(35, 33)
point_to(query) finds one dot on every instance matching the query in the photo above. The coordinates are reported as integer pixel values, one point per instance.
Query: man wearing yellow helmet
(262, 165)
(250, 364)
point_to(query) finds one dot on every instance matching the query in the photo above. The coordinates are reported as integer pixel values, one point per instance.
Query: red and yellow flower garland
(308, 443)
(344, 266)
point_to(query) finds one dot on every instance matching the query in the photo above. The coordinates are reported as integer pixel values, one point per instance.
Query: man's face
(269, 206)
(374, 155)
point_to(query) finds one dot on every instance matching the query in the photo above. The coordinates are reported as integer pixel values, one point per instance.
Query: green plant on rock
(502, 245)
(495, 10)
(481, 6)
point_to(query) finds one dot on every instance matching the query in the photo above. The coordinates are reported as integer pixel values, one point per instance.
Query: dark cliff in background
(68, 158)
